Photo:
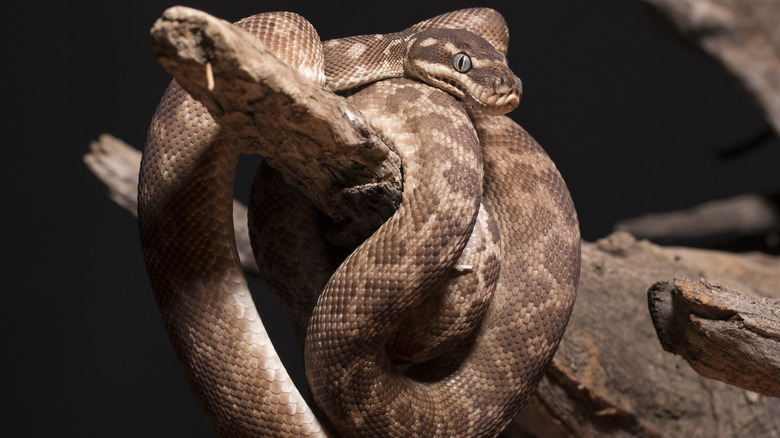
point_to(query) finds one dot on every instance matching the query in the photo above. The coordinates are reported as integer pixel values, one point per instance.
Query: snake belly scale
(486, 231)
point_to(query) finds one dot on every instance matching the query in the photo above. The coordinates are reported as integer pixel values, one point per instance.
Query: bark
(743, 36)
(742, 215)
(116, 165)
(610, 376)
(723, 334)
(316, 139)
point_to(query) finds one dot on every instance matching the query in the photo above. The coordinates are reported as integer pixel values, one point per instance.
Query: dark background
(634, 118)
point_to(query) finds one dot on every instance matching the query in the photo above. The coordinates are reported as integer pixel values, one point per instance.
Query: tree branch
(724, 334)
(610, 377)
(315, 138)
(116, 164)
(740, 34)
(743, 214)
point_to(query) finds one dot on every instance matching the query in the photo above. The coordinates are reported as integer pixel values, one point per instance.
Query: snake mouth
(496, 100)
(498, 104)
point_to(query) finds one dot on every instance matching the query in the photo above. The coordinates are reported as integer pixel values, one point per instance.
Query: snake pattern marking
(486, 239)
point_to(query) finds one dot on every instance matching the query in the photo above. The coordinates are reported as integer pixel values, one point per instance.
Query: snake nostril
(498, 84)
(505, 84)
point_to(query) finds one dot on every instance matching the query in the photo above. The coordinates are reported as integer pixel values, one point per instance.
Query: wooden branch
(722, 333)
(116, 165)
(316, 139)
(743, 214)
(610, 377)
(740, 34)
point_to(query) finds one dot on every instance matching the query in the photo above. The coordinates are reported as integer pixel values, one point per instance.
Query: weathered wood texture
(316, 139)
(116, 164)
(611, 376)
(743, 36)
(742, 215)
(724, 334)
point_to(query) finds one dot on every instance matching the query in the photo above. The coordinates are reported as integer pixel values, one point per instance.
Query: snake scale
(472, 279)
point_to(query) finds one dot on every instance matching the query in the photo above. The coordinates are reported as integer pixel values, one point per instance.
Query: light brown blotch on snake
(472, 165)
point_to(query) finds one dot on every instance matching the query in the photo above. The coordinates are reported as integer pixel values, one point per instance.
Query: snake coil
(472, 279)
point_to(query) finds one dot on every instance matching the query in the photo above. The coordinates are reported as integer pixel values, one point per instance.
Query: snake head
(466, 66)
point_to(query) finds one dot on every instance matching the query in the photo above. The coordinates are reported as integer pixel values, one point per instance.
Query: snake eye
(461, 62)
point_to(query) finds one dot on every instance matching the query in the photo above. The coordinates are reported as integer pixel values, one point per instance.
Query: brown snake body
(482, 208)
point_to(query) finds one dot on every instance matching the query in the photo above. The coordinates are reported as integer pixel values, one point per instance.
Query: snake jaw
(501, 97)
(509, 90)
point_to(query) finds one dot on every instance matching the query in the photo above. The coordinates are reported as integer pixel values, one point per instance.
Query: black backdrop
(633, 117)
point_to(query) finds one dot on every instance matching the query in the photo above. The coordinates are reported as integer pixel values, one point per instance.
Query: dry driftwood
(743, 36)
(116, 164)
(610, 376)
(313, 137)
(743, 214)
(724, 334)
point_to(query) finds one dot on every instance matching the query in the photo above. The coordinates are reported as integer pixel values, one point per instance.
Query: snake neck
(359, 60)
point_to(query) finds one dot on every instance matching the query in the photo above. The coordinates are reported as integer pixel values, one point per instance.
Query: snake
(486, 230)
